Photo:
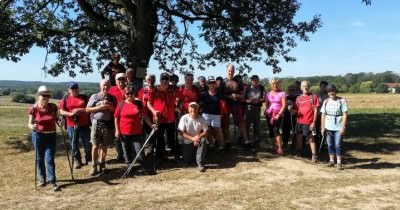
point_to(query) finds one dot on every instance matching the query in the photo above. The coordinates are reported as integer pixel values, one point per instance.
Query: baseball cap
(254, 77)
(193, 103)
(120, 75)
(210, 79)
(72, 84)
(43, 90)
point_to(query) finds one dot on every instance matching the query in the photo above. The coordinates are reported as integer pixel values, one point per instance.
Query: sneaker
(42, 183)
(339, 166)
(168, 148)
(93, 171)
(54, 186)
(202, 168)
(331, 164)
(77, 164)
(314, 159)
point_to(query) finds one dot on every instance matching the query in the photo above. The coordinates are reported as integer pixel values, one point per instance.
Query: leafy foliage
(75, 30)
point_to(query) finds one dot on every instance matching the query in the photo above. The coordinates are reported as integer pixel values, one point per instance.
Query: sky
(354, 38)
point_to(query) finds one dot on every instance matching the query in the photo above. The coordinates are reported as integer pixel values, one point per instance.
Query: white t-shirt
(192, 126)
(333, 110)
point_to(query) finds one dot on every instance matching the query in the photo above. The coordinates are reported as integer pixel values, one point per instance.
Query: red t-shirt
(305, 113)
(74, 103)
(119, 94)
(164, 102)
(130, 118)
(144, 96)
(188, 96)
(46, 119)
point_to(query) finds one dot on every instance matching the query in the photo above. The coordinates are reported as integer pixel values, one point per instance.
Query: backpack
(340, 107)
(64, 118)
(298, 100)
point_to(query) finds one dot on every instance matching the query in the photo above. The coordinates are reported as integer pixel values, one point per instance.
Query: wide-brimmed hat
(43, 90)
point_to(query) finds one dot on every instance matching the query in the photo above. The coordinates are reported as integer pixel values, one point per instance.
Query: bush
(22, 98)
(382, 88)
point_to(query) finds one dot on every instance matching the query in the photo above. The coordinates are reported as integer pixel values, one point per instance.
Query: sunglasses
(291, 89)
(129, 93)
(165, 79)
(120, 79)
(46, 96)
(74, 87)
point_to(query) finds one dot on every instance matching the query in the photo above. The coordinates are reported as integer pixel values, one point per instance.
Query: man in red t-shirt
(119, 94)
(162, 105)
(72, 106)
(306, 106)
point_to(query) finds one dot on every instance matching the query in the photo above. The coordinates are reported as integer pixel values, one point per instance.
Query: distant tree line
(349, 83)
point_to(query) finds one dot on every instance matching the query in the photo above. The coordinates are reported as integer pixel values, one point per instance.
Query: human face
(121, 82)
(230, 70)
(275, 86)
(105, 86)
(212, 85)
(291, 91)
(189, 80)
(44, 99)
(74, 90)
(164, 81)
(150, 81)
(254, 82)
(332, 94)
(193, 111)
(305, 87)
(130, 95)
(116, 57)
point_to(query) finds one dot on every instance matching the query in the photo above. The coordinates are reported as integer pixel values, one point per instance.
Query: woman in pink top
(275, 101)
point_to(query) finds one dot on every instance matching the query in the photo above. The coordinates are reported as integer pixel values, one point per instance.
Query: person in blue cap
(72, 107)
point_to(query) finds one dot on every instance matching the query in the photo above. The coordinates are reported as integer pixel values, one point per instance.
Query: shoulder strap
(65, 101)
(121, 105)
(312, 100)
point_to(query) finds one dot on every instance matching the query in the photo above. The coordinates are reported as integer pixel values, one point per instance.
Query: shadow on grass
(373, 125)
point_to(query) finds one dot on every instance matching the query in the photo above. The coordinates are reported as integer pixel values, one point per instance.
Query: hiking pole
(322, 142)
(66, 150)
(36, 154)
(125, 175)
(234, 122)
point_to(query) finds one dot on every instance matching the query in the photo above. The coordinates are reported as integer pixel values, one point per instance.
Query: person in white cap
(42, 121)
(193, 129)
(119, 93)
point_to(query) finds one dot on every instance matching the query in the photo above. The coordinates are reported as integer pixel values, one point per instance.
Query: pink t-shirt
(274, 101)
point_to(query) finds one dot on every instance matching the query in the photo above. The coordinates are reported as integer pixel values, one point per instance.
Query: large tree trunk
(144, 33)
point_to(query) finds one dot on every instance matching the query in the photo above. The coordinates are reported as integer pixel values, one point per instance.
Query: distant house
(392, 87)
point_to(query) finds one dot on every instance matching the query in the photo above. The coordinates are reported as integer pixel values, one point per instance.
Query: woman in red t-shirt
(42, 121)
(128, 124)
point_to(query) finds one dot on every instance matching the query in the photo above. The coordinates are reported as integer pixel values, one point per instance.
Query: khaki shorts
(101, 134)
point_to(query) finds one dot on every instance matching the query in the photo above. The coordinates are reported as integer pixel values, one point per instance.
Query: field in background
(234, 180)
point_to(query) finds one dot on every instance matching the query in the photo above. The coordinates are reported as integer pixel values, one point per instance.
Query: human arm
(282, 110)
(343, 129)
(323, 124)
(31, 122)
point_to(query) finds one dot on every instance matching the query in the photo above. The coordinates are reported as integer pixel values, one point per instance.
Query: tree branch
(88, 9)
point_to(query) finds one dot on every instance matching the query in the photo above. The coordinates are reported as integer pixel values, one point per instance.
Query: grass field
(234, 180)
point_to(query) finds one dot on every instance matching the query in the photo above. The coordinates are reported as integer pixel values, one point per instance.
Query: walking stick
(234, 122)
(322, 142)
(36, 154)
(66, 150)
(292, 132)
(125, 175)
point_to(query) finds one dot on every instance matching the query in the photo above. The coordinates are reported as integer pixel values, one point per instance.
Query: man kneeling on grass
(193, 129)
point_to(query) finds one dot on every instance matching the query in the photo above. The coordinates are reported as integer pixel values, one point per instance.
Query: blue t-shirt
(333, 110)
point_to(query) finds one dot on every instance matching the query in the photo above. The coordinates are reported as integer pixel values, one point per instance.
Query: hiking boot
(339, 166)
(202, 168)
(331, 164)
(77, 164)
(314, 159)
(93, 171)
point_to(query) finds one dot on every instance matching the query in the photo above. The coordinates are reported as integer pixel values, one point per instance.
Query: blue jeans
(188, 152)
(131, 145)
(84, 133)
(334, 140)
(45, 146)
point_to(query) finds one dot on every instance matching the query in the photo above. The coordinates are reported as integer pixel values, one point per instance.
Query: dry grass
(235, 180)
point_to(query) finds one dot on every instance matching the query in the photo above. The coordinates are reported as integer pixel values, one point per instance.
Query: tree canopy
(76, 31)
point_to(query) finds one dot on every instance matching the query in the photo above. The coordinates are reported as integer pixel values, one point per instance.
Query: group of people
(186, 118)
